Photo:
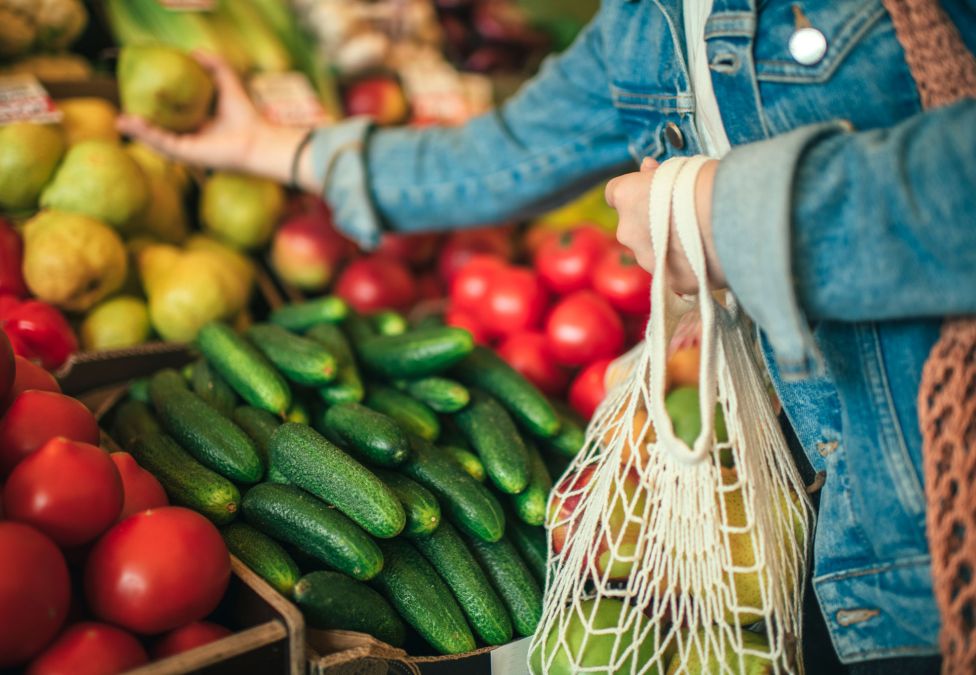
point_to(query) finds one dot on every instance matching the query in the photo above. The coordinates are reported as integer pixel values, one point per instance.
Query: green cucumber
(419, 353)
(291, 515)
(259, 425)
(330, 600)
(298, 412)
(530, 503)
(263, 555)
(375, 437)
(412, 415)
(469, 461)
(423, 510)
(485, 369)
(186, 481)
(299, 317)
(212, 388)
(358, 329)
(452, 559)
(139, 389)
(299, 359)
(513, 580)
(438, 393)
(572, 434)
(494, 436)
(530, 542)
(245, 369)
(464, 500)
(133, 420)
(213, 439)
(420, 596)
(347, 386)
(389, 322)
(314, 464)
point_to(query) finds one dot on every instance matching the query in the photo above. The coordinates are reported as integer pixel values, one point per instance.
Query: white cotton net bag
(665, 557)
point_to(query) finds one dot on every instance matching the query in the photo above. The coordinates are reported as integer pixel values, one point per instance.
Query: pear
(122, 321)
(29, 154)
(87, 118)
(155, 262)
(72, 261)
(164, 86)
(187, 297)
(164, 216)
(241, 210)
(154, 163)
(99, 179)
(691, 664)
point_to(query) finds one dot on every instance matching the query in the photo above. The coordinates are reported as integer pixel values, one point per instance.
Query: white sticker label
(287, 99)
(24, 99)
(189, 5)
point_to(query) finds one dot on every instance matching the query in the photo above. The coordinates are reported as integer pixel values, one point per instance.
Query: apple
(378, 97)
(416, 250)
(307, 249)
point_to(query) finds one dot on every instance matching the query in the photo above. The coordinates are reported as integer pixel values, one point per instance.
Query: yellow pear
(29, 154)
(187, 297)
(87, 118)
(122, 321)
(164, 216)
(237, 269)
(165, 86)
(155, 263)
(153, 162)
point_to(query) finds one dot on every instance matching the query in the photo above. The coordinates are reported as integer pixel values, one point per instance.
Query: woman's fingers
(229, 87)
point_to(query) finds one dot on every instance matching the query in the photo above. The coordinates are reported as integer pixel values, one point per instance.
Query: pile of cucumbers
(390, 480)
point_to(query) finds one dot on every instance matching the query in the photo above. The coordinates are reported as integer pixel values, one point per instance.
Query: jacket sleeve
(825, 223)
(559, 135)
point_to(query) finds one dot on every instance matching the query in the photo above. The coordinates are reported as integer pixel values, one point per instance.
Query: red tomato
(157, 570)
(416, 250)
(28, 375)
(565, 261)
(472, 282)
(462, 319)
(515, 302)
(583, 328)
(528, 353)
(90, 648)
(376, 282)
(189, 637)
(635, 326)
(624, 283)
(35, 417)
(70, 491)
(588, 389)
(464, 244)
(34, 592)
(8, 367)
(140, 488)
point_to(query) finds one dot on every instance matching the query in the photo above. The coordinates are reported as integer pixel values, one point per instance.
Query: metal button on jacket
(673, 133)
(807, 46)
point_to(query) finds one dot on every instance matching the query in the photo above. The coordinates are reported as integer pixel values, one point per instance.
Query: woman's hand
(628, 194)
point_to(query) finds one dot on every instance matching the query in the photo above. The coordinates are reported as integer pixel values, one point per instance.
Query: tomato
(28, 375)
(157, 570)
(470, 285)
(376, 282)
(464, 244)
(565, 261)
(70, 491)
(463, 319)
(528, 353)
(515, 302)
(429, 287)
(8, 367)
(583, 328)
(189, 637)
(624, 283)
(34, 592)
(635, 325)
(416, 250)
(588, 389)
(140, 489)
(90, 648)
(35, 417)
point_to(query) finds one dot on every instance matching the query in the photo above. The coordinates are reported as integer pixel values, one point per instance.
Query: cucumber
(452, 559)
(293, 516)
(275, 476)
(259, 425)
(213, 439)
(299, 359)
(245, 369)
(311, 462)
(485, 369)
(420, 596)
(464, 500)
(389, 322)
(572, 433)
(299, 317)
(263, 555)
(412, 415)
(513, 581)
(357, 328)
(330, 600)
(139, 389)
(418, 353)
(133, 420)
(186, 481)
(212, 388)
(298, 413)
(423, 510)
(375, 437)
(469, 461)
(493, 435)
(438, 393)
(347, 386)
(530, 503)
(530, 542)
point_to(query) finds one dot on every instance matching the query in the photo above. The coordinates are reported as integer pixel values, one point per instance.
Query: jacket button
(673, 133)
(808, 46)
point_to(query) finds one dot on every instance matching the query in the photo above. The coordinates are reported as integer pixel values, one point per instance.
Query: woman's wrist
(271, 151)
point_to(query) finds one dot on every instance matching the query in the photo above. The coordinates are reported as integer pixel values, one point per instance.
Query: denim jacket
(844, 218)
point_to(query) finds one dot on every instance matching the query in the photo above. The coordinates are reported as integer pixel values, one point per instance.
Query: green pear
(72, 261)
(241, 210)
(691, 664)
(684, 410)
(29, 154)
(122, 321)
(98, 178)
(154, 163)
(164, 86)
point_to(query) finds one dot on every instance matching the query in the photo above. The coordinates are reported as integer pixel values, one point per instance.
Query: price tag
(287, 99)
(189, 5)
(24, 99)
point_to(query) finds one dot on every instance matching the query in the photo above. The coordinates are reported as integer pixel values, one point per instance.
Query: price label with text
(24, 99)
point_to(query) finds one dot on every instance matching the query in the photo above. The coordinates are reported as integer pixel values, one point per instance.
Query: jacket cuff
(751, 224)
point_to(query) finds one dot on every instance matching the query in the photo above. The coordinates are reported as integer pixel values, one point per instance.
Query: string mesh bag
(665, 556)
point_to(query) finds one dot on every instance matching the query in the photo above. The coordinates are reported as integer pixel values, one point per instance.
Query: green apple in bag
(29, 154)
